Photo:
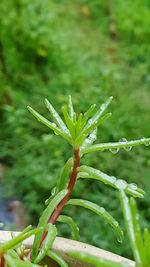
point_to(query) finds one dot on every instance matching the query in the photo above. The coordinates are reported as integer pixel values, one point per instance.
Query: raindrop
(53, 191)
(123, 141)
(114, 150)
(102, 107)
(128, 148)
(147, 143)
(116, 223)
(119, 238)
(56, 133)
(53, 124)
(90, 121)
(133, 186)
(88, 141)
(121, 184)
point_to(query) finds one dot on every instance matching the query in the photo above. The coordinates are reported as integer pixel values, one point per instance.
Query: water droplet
(90, 121)
(116, 223)
(53, 124)
(114, 150)
(113, 179)
(119, 238)
(128, 148)
(56, 133)
(133, 186)
(102, 107)
(53, 191)
(147, 142)
(121, 184)
(123, 141)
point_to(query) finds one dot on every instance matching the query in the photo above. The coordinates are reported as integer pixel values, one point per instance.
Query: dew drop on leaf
(147, 143)
(123, 141)
(133, 186)
(128, 148)
(121, 184)
(114, 150)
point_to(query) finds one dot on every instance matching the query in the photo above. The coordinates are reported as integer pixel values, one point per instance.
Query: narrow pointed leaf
(130, 226)
(106, 146)
(71, 110)
(48, 242)
(95, 124)
(102, 109)
(90, 139)
(57, 258)
(64, 178)
(146, 246)
(70, 124)
(19, 263)
(79, 124)
(74, 228)
(49, 124)
(91, 173)
(136, 226)
(99, 211)
(57, 119)
(19, 239)
(97, 261)
(44, 220)
(88, 114)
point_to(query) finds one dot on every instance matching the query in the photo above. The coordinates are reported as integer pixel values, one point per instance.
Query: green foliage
(80, 131)
(40, 59)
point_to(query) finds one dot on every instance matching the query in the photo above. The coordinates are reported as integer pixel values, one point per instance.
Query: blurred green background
(91, 50)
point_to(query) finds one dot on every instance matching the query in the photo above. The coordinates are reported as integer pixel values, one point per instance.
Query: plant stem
(58, 210)
(2, 261)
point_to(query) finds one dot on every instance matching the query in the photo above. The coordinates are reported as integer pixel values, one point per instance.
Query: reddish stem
(70, 187)
(2, 261)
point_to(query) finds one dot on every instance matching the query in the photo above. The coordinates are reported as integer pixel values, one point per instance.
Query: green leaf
(74, 228)
(136, 226)
(91, 126)
(48, 242)
(88, 114)
(96, 261)
(146, 246)
(87, 172)
(19, 239)
(116, 145)
(130, 226)
(49, 124)
(57, 258)
(79, 124)
(19, 263)
(99, 211)
(44, 220)
(12, 253)
(64, 178)
(70, 106)
(90, 139)
(99, 113)
(70, 124)
(62, 181)
(57, 119)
